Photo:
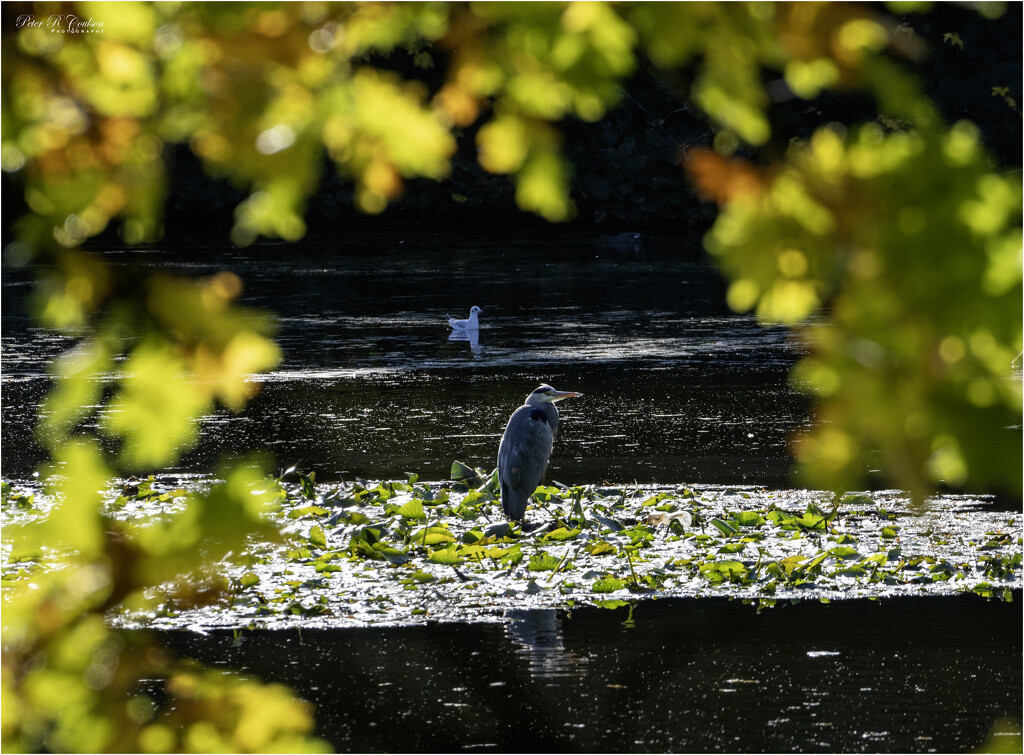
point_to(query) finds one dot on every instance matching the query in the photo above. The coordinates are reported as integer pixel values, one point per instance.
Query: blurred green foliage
(893, 246)
(911, 246)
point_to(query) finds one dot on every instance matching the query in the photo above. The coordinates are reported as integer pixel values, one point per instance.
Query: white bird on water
(470, 323)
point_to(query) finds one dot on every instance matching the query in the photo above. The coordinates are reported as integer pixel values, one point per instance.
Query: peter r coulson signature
(61, 24)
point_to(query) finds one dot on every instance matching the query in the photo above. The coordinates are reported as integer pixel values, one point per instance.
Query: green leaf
(308, 511)
(720, 571)
(543, 562)
(608, 584)
(249, 579)
(317, 537)
(514, 555)
(859, 500)
(815, 562)
(432, 536)
(394, 556)
(561, 534)
(307, 483)
(466, 474)
(412, 510)
(600, 548)
(844, 552)
(811, 521)
(724, 527)
(749, 519)
(448, 556)
(611, 524)
(612, 603)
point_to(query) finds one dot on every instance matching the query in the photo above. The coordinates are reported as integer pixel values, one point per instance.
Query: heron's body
(526, 448)
(470, 323)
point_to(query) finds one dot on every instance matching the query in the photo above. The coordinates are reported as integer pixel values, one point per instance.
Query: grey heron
(526, 447)
(470, 323)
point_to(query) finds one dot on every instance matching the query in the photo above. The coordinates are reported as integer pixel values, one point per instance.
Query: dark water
(677, 388)
(902, 675)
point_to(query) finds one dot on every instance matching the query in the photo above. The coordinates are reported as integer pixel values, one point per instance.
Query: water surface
(677, 388)
(903, 675)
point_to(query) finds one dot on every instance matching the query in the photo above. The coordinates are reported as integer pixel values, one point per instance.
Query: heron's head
(475, 311)
(546, 393)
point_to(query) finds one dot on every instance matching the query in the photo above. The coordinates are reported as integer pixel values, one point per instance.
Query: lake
(713, 675)
(677, 390)
(676, 387)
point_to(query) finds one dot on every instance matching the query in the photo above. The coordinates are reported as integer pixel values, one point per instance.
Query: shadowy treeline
(626, 167)
(627, 173)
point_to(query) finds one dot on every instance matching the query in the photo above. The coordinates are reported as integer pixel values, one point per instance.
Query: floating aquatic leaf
(547, 493)
(811, 521)
(611, 603)
(856, 500)
(317, 537)
(432, 536)
(495, 552)
(654, 500)
(815, 562)
(600, 548)
(307, 511)
(543, 562)
(561, 534)
(724, 527)
(498, 530)
(608, 584)
(721, 571)
(612, 524)
(411, 510)
(308, 484)
(844, 552)
(249, 579)
(465, 474)
(514, 556)
(449, 556)
(748, 519)
(791, 563)
(395, 556)
(475, 498)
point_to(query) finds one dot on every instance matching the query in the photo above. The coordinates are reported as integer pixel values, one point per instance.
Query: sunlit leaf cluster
(70, 681)
(172, 350)
(909, 246)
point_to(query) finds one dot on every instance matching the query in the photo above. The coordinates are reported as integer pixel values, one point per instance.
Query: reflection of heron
(473, 336)
(526, 447)
(470, 323)
(538, 633)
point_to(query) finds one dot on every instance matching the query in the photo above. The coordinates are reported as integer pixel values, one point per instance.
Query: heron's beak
(559, 395)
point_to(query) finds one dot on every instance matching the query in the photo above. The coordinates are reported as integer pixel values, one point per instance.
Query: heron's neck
(540, 403)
